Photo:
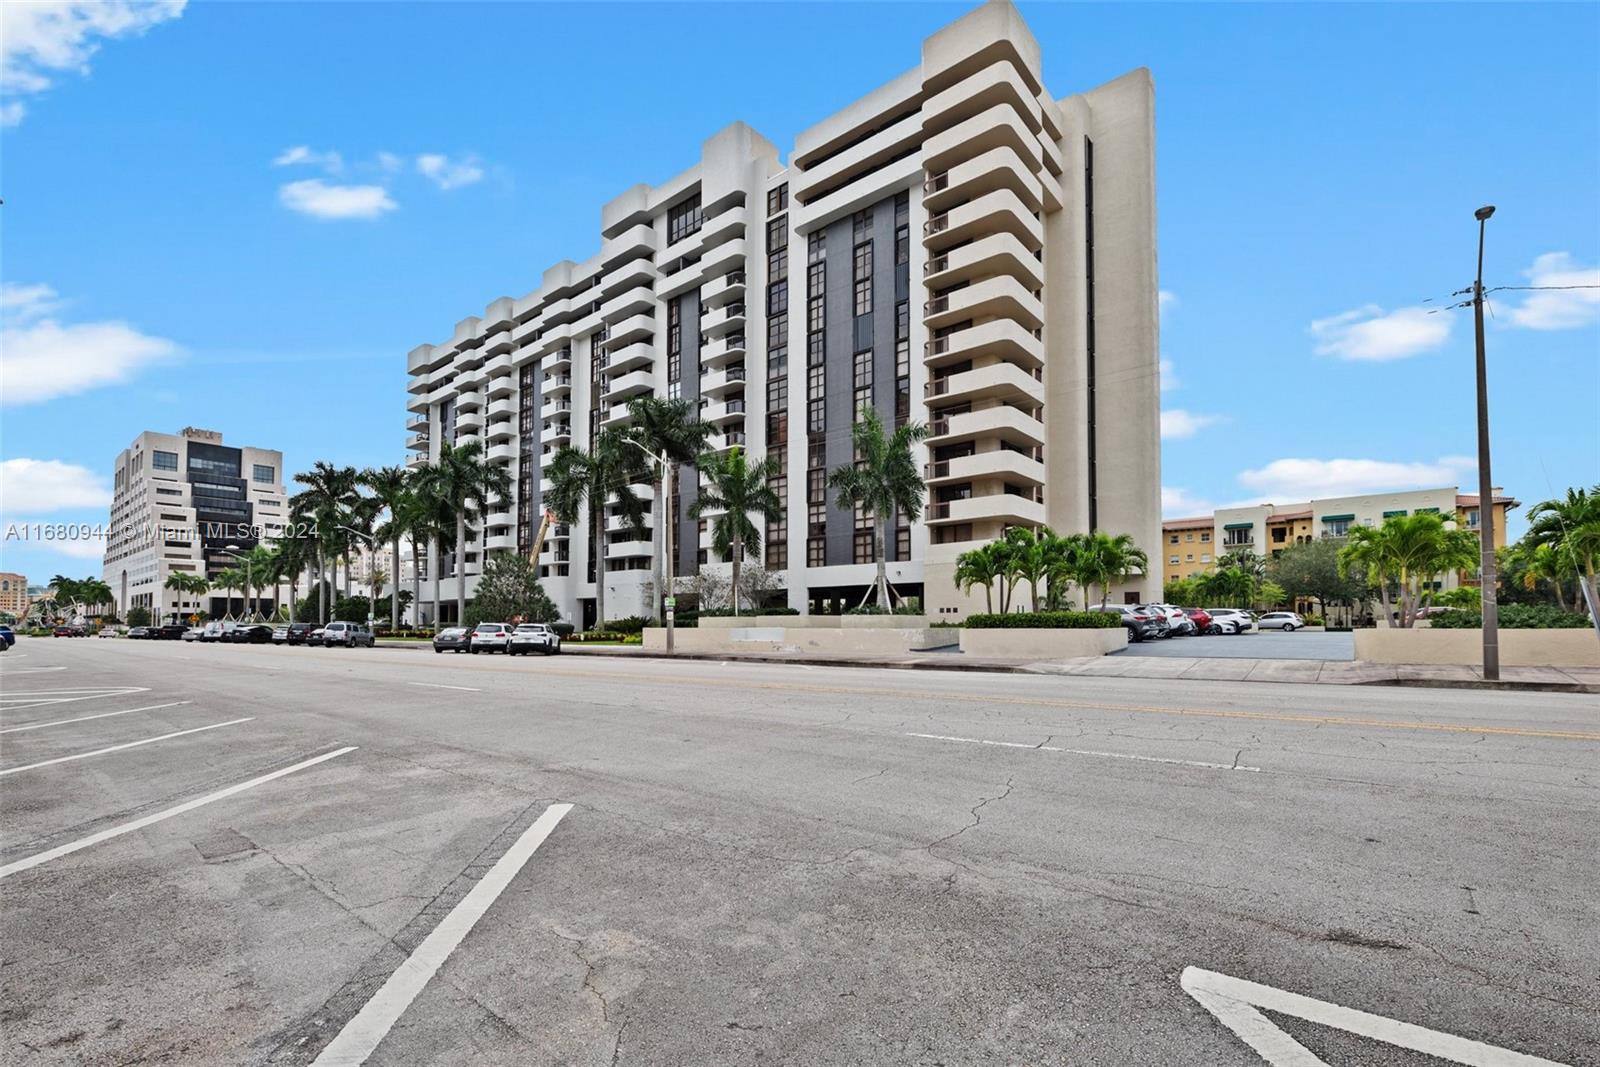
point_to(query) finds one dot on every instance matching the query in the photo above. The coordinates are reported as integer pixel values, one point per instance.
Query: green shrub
(563, 629)
(138, 616)
(1046, 620)
(707, 613)
(633, 624)
(1513, 617)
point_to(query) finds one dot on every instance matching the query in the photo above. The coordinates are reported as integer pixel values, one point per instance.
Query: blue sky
(1318, 167)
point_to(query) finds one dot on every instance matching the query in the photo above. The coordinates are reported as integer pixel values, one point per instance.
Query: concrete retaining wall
(1044, 644)
(755, 636)
(817, 622)
(1518, 648)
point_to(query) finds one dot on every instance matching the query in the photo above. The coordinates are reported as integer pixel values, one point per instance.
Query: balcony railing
(936, 305)
(940, 469)
(936, 264)
(936, 347)
(938, 427)
(936, 183)
(735, 374)
(937, 387)
(938, 224)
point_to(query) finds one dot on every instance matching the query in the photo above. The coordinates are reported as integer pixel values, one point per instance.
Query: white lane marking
(119, 748)
(139, 824)
(435, 685)
(1090, 752)
(1234, 1002)
(361, 1035)
(23, 701)
(86, 718)
(31, 670)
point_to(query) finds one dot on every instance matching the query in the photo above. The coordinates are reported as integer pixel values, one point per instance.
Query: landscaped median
(1043, 635)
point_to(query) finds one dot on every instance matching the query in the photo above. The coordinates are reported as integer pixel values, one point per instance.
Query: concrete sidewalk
(1321, 672)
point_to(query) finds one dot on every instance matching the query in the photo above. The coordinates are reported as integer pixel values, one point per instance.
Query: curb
(1479, 683)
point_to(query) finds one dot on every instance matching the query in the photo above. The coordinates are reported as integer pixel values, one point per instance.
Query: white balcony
(1005, 508)
(630, 550)
(990, 128)
(636, 328)
(999, 83)
(728, 379)
(503, 452)
(636, 301)
(719, 352)
(503, 407)
(997, 381)
(555, 406)
(1002, 423)
(723, 320)
(630, 357)
(1002, 463)
(725, 441)
(637, 240)
(1002, 338)
(1000, 211)
(999, 297)
(722, 289)
(725, 257)
(417, 443)
(998, 168)
(558, 361)
(556, 385)
(417, 462)
(996, 254)
(731, 411)
(470, 400)
(500, 542)
(504, 430)
(634, 383)
(468, 420)
(560, 433)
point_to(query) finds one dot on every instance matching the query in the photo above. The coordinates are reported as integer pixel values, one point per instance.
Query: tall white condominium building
(183, 504)
(959, 248)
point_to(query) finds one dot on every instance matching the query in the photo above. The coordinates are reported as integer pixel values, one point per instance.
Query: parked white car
(533, 637)
(347, 634)
(490, 637)
(1178, 624)
(1231, 620)
(1287, 621)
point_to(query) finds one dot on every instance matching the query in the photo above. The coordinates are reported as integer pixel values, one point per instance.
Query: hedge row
(1046, 620)
(1513, 617)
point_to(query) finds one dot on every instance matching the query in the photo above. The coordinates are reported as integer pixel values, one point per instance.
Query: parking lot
(246, 854)
(1269, 644)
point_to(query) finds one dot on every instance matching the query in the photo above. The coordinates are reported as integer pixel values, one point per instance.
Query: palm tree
(883, 480)
(329, 494)
(95, 593)
(459, 480)
(1545, 562)
(980, 566)
(227, 579)
(290, 557)
(1571, 526)
(736, 489)
(257, 574)
(667, 429)
(582, 481)
(1409, 550)
(1031, 557)
(1105, 560)
(391, 491)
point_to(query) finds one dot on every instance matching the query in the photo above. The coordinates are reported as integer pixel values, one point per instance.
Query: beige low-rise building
(14, 598)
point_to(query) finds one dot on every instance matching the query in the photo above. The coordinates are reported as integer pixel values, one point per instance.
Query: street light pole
(249, 575)
(372, 563)
(1486, 566)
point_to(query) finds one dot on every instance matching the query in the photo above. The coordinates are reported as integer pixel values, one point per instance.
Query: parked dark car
(298, 632)
(172, 631)
(1141, 625)
(67, 631)
(7, 638)
(258, 633)
(454, 639)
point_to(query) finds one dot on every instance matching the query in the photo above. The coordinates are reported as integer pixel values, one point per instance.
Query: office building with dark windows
(959, 248)
(186, 503)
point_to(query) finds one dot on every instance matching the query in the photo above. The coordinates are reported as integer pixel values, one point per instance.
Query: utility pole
(1486, 568)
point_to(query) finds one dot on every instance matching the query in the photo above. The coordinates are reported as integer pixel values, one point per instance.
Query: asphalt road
(1269, 644)
(774, 863)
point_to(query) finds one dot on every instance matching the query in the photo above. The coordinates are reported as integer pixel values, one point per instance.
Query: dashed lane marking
(435, 685)
(1090, 752)
(119, 748)
(149, 820)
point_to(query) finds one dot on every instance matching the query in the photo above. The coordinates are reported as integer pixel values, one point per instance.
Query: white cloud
(1165, 299)
(43, 38)
(41, 358)
(302, 155)
(1560, 309)
(447, 173)
(1176, 423)
(320, 200)
(85, 547)
(40, 486)
(390, 163)
(1179, 503)
(1169, 377)
(1309, 479)
(1370, 334)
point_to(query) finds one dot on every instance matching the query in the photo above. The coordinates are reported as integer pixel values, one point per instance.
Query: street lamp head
(1483, 213)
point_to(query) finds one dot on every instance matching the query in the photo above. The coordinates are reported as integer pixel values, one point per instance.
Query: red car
(1201, 619)
(67, 631)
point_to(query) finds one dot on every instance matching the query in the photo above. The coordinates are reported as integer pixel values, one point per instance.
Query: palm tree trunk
(738, 554)
(988, 597)
(1033, 592)
(461, 567)
(658, 541)
(883, 566)
(416, 582)
(437, 567)
(322, 590)
(394, 587)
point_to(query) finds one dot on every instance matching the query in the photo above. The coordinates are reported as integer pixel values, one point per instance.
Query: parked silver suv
(533, 637)
(347, 634)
